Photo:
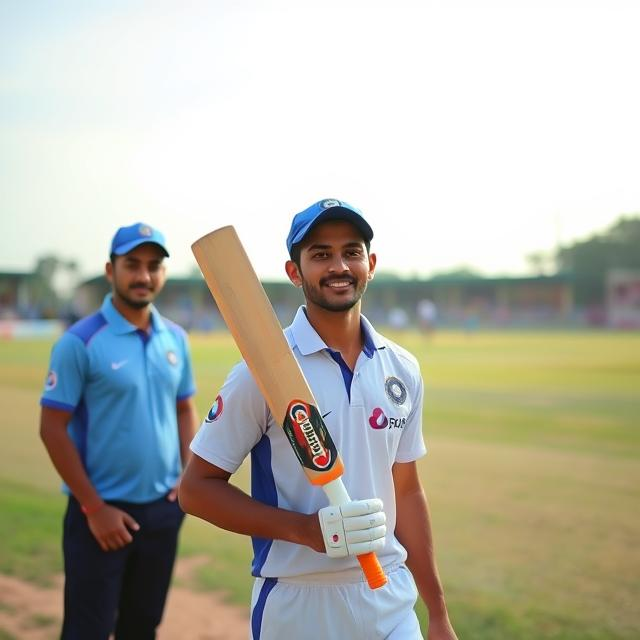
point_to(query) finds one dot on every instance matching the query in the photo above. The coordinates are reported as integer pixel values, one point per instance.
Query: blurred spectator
(427, 315)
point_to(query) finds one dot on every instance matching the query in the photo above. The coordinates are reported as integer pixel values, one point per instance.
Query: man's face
(137, 277)
(335, 266)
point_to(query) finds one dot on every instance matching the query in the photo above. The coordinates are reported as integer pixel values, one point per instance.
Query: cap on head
(322, 211)
(128, 238)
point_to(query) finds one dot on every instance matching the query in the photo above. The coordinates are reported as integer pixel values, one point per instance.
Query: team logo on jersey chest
(396, 390)
(172, 358)
(378, 420)
(216, 410)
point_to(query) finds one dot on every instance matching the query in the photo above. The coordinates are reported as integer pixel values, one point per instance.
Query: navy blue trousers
(124, 591)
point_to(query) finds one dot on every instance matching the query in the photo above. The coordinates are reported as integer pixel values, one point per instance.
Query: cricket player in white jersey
(370, 391)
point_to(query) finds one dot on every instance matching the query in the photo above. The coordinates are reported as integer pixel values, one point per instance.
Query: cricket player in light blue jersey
(117, 419)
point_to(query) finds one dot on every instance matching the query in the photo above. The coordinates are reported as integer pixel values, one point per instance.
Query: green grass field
(533, 477)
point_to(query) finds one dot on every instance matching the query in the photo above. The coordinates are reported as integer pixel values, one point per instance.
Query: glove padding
(354, 528)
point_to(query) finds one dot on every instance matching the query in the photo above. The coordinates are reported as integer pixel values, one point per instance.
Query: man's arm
(187, 423)
(110, 526)
(413, 530)
(205, 492)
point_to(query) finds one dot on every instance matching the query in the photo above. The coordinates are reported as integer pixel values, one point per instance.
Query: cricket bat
(246, 310)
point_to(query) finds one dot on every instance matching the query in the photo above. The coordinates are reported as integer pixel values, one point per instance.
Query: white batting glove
(354, 528)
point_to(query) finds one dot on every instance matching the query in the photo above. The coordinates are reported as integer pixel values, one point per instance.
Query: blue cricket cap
(128, 238)
(322, 211)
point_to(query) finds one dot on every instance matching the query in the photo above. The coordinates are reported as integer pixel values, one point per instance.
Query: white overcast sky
(469, 132)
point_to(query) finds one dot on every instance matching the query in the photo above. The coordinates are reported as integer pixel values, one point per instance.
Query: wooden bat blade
(246, 310)
(248, 314)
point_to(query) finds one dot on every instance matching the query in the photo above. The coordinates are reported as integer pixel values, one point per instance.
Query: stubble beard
(130, 302)
(315, 296)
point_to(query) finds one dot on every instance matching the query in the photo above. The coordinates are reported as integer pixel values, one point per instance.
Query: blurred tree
(541, 262)
(590, 260)
(52, 285)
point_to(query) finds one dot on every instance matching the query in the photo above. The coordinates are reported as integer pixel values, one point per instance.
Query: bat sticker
(309, 437)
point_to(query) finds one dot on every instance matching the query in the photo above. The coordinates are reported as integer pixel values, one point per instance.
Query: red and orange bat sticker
(309, 437)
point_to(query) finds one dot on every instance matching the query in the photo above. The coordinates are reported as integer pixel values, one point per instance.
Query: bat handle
(373, 572)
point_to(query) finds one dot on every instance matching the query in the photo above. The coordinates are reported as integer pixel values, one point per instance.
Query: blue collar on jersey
(120, 325)
(308, 341)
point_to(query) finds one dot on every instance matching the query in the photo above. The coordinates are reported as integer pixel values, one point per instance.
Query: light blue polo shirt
(121, 386)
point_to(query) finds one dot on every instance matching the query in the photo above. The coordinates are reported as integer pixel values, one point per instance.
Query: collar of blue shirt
(121, 325)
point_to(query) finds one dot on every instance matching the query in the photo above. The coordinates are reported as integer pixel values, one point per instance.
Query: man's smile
(341, 283)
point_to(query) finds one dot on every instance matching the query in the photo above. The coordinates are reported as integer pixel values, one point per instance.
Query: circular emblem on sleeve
(215, 411)
(51, 381)
(328, 204)
(396, 390)
(172, 358)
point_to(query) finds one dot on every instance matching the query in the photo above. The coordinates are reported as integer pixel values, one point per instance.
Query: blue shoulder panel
(86, 328)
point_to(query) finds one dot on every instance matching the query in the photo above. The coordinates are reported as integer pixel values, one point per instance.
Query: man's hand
(441, 629)
(354, 528)
(110, 527)
(172, 496)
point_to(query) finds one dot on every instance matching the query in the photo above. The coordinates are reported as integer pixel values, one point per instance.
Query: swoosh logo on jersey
(326, 414)
(118, 365)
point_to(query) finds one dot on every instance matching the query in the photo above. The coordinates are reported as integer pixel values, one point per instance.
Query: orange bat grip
(372, 570)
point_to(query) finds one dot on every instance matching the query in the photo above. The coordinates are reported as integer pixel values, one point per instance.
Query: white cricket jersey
(374, 416)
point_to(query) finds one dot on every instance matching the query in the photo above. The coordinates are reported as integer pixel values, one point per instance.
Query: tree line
(587, 261)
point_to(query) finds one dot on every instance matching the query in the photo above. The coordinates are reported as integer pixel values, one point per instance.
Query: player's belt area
(348, 576)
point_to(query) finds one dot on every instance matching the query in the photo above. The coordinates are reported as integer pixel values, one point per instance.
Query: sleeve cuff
(54, 404)
(184, 396)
